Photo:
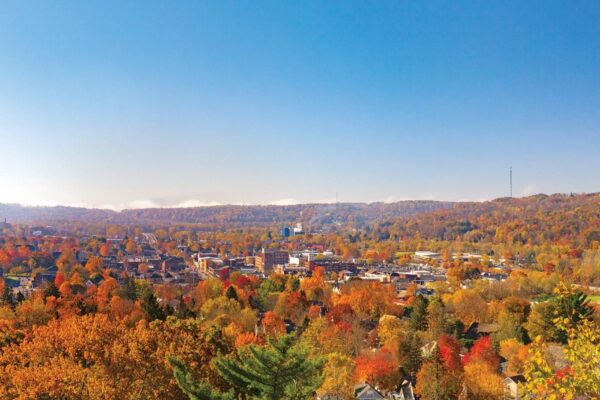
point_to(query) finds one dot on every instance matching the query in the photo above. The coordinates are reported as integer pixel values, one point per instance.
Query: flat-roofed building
(266, 260)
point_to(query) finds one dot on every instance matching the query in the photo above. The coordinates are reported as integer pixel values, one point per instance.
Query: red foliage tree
(273, 324)
(376, 367)
(341, 312)
(450, 352)
(59, 279)
(483, 350)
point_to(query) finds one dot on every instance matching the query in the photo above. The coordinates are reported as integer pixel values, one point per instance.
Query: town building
(266, 260)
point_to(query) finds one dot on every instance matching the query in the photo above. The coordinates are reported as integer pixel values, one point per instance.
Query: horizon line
(152, 205)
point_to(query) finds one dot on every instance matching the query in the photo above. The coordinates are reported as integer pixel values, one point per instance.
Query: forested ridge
(224, 216)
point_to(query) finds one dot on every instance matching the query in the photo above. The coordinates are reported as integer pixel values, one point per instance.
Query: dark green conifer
(279, 370)
(195, 390)
(231, 293)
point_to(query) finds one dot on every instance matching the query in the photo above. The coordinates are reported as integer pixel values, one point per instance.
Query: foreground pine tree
(194, 389)
(279, 370)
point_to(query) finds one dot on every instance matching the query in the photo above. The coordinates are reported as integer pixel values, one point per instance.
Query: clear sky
(128, 103)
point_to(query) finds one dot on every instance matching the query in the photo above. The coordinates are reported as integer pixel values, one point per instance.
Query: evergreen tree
(150, 305)
(20, 297)
(570, 307)
(129, 289)
(279, 370)
(410, 354)
(51, 290)
(7, 297)
(437, 318)
(184, 311)
(418, 313)
(195, 390)
(293, 284)
(231, 293)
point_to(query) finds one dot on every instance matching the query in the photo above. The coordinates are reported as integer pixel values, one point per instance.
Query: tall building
(266, 260)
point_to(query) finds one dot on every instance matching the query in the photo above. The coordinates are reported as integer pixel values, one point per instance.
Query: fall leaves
(114, 340)
(94, 357)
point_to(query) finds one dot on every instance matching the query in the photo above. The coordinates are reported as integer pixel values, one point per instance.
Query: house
(132, 263)
(41, 279)
(367, 392)
(493, 277)
(487, 329)
(511, 387)
(477, 330)
(405, 393)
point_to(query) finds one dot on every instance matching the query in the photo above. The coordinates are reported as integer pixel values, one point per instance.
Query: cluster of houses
(188, 268)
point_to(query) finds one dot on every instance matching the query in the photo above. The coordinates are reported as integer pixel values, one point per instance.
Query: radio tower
(511, 181)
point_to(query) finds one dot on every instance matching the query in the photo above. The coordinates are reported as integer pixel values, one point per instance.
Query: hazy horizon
(140, 205)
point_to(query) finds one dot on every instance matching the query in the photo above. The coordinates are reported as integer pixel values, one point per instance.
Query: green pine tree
(150, 305)
(410, 354)
(51, 290)
(571, 305)
(279, 370)
(231, 293)
(194, 389)
(418, 313)
(129, 288)
(7, 297)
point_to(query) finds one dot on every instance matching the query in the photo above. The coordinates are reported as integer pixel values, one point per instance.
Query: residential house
(511, 387)
(367, 392)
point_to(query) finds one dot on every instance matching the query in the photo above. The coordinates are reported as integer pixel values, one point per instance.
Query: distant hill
(312, 215)
(559, 218)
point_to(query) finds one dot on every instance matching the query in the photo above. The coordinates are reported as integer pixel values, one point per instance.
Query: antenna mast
(511, 182)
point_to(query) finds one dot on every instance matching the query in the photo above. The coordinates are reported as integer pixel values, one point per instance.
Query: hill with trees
(228, 216)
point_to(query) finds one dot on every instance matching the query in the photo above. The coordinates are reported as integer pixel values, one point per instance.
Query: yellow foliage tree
(482, 382)
(338, 380)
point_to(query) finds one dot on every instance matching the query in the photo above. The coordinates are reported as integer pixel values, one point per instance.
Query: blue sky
(125, 104)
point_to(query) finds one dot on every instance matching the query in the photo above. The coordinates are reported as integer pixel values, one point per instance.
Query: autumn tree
(468, 305)
(436, 381)
(379, 368)
(511, 317)
(570, 307)
(580, 377)
(515, 354)
(481, 365)
(338, 377)
(273, 324)
(389, 329)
